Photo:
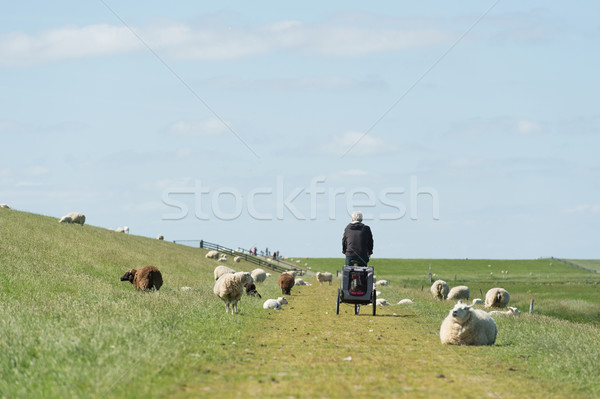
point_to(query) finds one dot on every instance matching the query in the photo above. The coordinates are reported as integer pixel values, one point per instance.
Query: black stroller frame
(356, 288)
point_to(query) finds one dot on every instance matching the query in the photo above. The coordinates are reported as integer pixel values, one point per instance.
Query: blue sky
(460, 129)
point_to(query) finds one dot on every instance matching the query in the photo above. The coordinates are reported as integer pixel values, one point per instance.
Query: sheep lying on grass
(497, 298)
(405, 301)
(467, 326)
(512, 311)
(223, 258)
(275, 304)
(160, 237)
(382, 302)
(323, 277)
(144, 279)
(382, 282)
(439, 289)
(459, 292)
(230, 288)
(73, 217)
(300, 281)
(221, 270)
(477, 301)
(5, 206)
(286, 282)
(237, 259)
(212, 254)
(259, 275)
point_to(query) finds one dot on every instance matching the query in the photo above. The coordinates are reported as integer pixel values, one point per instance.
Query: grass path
(302, 352)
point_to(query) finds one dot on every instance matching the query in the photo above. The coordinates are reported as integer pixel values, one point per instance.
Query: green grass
(70, 328)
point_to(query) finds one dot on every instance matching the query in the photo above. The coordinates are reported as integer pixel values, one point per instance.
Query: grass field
(70, 329)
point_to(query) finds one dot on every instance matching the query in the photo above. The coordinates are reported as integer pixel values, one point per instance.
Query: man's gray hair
(357, 216)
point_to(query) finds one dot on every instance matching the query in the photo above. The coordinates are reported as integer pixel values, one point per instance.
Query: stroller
(356, 288)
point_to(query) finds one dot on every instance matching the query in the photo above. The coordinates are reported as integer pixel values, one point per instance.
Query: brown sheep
(286, 282)
(144, 279)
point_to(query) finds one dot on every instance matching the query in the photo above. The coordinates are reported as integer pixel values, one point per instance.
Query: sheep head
(461, 312)
(129, 275)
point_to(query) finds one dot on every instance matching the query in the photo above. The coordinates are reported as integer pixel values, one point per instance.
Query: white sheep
(120, 230)
(465, 325)
(459, 292)
(237, 259)
(212, 254)
(382, 302)
(512, 311)
(323, 277)
(382, 282)
(160, 237)
(497, 298)
(126, 229)
(300, 281)
(4, 206)
(275, 304)
(439, 289)
(405, 301)
(221, 270)
(477, 301)
(230, 288)
(223, 258)
(259, 275)
(73, 217)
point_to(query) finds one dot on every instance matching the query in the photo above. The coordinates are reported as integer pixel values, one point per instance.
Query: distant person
(254, 251)
(357, 243)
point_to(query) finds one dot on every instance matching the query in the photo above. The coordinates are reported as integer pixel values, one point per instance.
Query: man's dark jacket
(357, 240)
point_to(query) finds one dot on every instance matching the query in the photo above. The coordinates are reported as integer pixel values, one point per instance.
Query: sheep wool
(230, 288)
(259, 275)
(467, 326)
(144, 279)
(73, 217)
(212, 254)
(439, 289)
(497, 298)
(275, 304)
(459, 292)
(286, 282)
(324, 277)
(221, 270)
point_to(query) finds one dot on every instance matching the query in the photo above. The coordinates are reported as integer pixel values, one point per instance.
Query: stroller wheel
(356, 308)
(337, 308)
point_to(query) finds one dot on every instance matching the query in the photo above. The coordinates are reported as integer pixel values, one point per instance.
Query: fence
(279, 266)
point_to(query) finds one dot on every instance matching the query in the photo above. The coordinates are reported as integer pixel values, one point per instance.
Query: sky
(460, 129)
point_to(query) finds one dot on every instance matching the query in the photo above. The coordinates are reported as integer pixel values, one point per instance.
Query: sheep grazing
(221, 270)
(512, 311)
(120, 230)
(126, 229)
(251, 290)
(73, 217)
(497, 298)
(212, 254)
(323, 277)
(439, 289)
(286, 282)
(459, 292)
(275, 304)
(230, 288)
(144, 279)
(259, 275)
(160, 237)
(237, 259)
(5, 206)
(382, 302)
(467, 326)
(382, 283)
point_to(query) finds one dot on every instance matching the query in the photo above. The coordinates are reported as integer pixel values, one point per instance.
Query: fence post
(201, 243)
(531, 307)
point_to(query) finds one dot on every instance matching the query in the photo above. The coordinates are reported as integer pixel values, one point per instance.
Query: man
(357, 243)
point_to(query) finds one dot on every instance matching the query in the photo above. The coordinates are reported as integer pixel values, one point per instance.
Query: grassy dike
(69, 328)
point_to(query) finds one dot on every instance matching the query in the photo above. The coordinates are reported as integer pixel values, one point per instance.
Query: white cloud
(330, 38)
(584, 209)
(525, 126)
(357, 143)
(205, 127)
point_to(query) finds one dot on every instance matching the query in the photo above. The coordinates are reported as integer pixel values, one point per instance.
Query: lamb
(221, 270)
(126, 229)
(275, 304)
(477, 301)
(259, 275)
(497, 298)
(300, 281)
(160, 237)
(382, 282)
(405, 301)
(459, 292)
(230, 288)
(512, 311)
(326, 276)
(382, 302)
(251, 290)
(223, 258)
(439, 289)
(467, 326)
(286, 282)
(212, 255)
(4, 206)
(73, 217)
(144, 279)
